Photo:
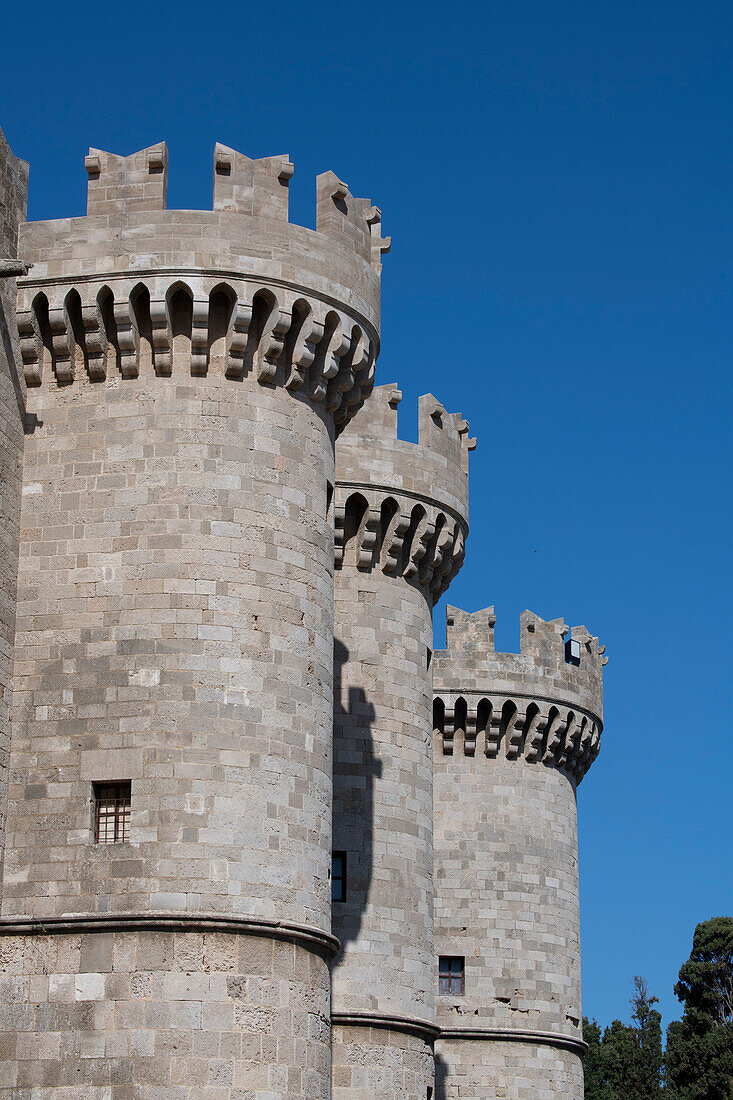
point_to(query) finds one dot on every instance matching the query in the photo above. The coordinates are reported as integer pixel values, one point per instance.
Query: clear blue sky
(556, 178)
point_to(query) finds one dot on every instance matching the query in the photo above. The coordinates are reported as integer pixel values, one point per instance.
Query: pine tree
(699, 1055)
(625, 1062)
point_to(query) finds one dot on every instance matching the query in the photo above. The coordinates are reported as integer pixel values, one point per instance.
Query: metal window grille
(338, 876)
(451, 972)
(112, 812)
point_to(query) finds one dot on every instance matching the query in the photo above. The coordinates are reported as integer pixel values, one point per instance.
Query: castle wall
(174, 630)
(400, 526)
(515, 734)
(13, 191)
(382, 819)
(175, 625)
(165, 1014)
(477, 1070)
(507, 901)
(380, 1062)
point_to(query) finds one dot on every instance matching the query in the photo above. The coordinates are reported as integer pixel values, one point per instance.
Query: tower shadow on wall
(441, 1076)
(355, 769)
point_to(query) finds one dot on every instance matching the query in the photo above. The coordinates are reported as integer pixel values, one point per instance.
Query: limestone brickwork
(401, 521)
(13, 192)
(219, 563)
(515, 733)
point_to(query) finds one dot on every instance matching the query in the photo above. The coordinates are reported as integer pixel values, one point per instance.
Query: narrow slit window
(451, 974)
(338, 876)
(112, 812)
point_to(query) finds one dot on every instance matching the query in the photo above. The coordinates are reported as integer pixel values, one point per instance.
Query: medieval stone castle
(259, 841)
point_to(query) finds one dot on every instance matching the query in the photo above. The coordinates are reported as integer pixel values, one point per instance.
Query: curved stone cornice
(403, 534)
(518, 726)
(509, 1035)
(408, 1025)
(106, 326)
(543, 704)
(303, 934)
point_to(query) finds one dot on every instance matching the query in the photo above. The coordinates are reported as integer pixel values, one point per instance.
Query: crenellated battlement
(238, 289)
(257, 188)
(544, 703)
(399, 505)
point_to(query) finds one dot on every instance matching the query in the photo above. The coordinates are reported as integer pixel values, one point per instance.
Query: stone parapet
(401, 506)
(544, 703)
(242, 288)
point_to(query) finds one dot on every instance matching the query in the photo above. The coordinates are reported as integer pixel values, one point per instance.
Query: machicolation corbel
(538, 704)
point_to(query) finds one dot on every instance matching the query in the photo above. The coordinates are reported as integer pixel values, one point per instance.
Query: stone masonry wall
(400, 528)
(382, 820)
(515, 733)
(174, 629)
(507, 893)
(472, 1070)
(162, 1016)
(13, 191)
(383, 795)
(379, 1062)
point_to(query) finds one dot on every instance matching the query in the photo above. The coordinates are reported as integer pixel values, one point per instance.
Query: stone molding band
(301, 934)
(387, 490)
(226, 274)
(422, 542)
(277, 337)
(509, 1035)
(517, 725)
(530, 696)
(409, 1025)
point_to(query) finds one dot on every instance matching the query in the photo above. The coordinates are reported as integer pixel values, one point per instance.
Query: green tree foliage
(625, 1062)
(700, 1046)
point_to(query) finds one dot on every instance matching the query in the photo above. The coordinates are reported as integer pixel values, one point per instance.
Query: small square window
(338, 876)
(451, 970)
(112, 812)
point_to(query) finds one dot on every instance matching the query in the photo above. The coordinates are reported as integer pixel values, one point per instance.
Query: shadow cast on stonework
(441, 1076)
(355, 769)
(7, 323)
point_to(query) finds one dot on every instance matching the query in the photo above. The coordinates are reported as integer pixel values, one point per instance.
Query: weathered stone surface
(514, 735)
(202, 506)
(472, 1070)
(13, 192)
(175, 1015)
(401, 521)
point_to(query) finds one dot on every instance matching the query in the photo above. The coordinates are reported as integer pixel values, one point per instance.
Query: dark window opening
(451, 970)
(572, 652)
(112, 812)
(338, 876)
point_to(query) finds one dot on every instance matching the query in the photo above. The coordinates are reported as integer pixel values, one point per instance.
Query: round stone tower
(401, 521)
(169, 822)
(515, 734)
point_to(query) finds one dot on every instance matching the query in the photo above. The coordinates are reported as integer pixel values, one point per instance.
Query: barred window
(338, 876)
(451, 969)
(112, 812)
